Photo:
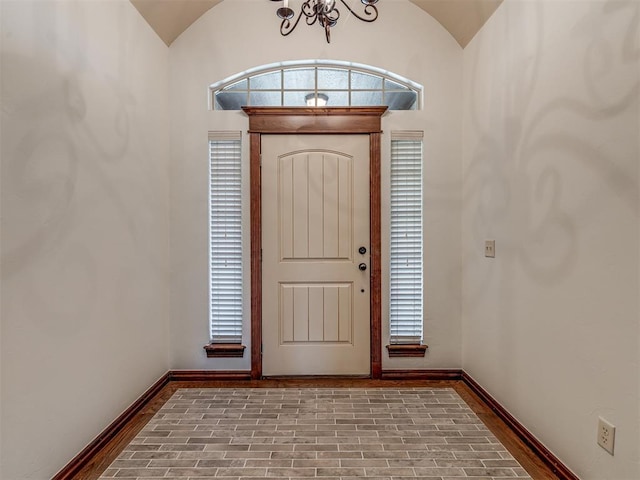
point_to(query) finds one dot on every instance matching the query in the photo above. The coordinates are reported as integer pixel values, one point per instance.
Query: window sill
(224, 350)
(404, 350)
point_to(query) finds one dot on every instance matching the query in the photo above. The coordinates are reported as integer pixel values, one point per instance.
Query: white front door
(315, 280)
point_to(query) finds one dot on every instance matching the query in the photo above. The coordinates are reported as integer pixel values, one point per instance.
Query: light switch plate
(490, 248)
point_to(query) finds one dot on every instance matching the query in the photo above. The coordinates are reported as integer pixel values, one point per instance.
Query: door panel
(315, 313)
(315, 202)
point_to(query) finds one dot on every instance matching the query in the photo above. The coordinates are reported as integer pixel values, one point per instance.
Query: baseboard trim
(101, 441)
(559, 468)
(69, 471)
(209, 375)
(444, 374)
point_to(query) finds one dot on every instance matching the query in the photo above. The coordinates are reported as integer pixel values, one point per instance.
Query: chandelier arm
(332, 16)
(310, 11)
(371, 11)
(285, 26)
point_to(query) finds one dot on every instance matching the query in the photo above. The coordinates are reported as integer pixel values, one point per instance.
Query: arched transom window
(334, 84)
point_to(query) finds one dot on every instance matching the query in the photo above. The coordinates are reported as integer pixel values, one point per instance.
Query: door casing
(305, 120)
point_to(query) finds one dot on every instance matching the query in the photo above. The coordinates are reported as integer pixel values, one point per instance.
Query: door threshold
(316, 377)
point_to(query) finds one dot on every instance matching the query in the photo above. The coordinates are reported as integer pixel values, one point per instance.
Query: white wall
(550, 168)
(237, 35)
(84, 224)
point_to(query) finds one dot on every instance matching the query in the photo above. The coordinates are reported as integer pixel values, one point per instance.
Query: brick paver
(328, 433)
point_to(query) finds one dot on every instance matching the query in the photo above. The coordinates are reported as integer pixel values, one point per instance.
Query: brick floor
(330, 433)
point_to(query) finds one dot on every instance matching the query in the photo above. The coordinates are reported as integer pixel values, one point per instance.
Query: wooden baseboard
(209, 375)
(559, 468)
(100, 442)
(445, 374)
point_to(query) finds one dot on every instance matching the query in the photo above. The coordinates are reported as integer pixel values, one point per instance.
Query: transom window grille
(314, 84)
(225, 233)
(406, 269)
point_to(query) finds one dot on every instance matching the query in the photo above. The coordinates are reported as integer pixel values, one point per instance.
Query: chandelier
(324, 13)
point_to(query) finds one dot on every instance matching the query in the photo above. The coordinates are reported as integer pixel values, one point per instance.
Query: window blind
(225, 234)
(406, 270)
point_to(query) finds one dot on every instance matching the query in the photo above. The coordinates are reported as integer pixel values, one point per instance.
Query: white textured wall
(237, 35)
(84, 173)
(550, 168)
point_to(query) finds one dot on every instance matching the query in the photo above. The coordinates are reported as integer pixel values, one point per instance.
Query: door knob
(362, 266)
(362, 250)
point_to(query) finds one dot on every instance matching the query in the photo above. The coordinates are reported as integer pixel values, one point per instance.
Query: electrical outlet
(490, 248)
(606, 435)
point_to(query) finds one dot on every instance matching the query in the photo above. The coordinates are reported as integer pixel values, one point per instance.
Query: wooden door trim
(294, 120)
(304, 120)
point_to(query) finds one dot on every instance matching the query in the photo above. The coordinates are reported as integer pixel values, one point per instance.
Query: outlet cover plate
(606, 435)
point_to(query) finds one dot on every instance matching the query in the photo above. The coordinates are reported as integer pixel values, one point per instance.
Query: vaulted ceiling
(462, 18)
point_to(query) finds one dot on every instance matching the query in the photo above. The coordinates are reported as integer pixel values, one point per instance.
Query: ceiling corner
(463, 19)
(169, 18)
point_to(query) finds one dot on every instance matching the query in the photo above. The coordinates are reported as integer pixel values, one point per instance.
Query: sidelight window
(406, 268)
(225, 234)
